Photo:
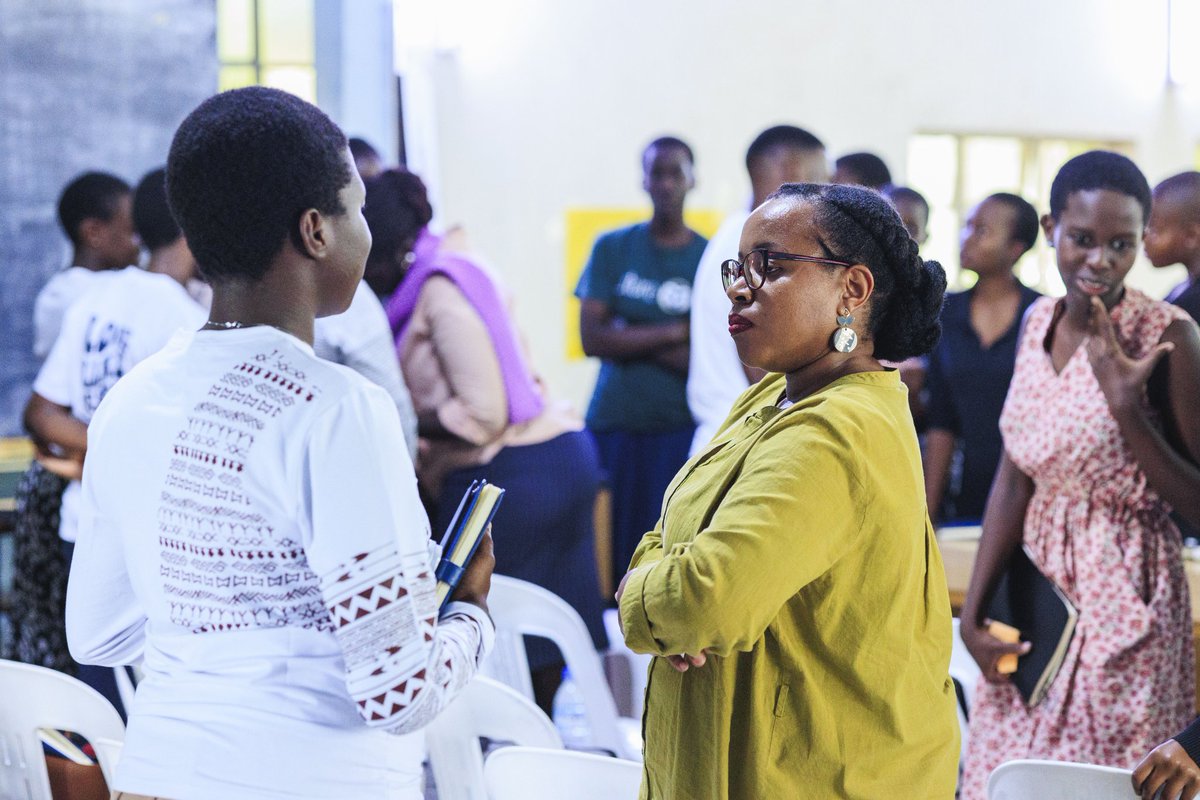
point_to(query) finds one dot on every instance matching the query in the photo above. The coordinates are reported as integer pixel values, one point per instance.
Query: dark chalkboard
(84, 84)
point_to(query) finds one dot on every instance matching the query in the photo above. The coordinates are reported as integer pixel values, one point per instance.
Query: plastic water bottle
(570, 714)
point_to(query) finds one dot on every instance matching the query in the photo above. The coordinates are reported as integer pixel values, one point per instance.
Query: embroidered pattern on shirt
(384, 608)
(223, 565)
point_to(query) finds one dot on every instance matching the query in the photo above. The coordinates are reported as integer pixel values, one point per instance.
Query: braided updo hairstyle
(860, 226)
(396, 211)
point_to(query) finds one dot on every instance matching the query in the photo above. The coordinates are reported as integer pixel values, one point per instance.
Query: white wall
(543, 105)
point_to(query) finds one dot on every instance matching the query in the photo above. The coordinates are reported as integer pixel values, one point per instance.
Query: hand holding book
(476, 581)
(1007, 663)
(463, 573)
(1032, 606)
(993, 654)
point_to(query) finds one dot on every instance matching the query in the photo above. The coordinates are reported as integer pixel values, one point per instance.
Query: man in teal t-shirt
(636, 294)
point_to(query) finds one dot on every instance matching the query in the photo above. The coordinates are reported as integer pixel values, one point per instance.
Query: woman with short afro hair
(251, 532)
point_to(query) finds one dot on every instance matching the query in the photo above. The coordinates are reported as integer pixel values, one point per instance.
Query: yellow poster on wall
(584, 225)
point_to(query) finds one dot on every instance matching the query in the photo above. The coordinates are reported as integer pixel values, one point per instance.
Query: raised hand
(1121, 378)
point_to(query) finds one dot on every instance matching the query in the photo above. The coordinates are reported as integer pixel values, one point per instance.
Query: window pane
(235, 30)
(286, 31)
(990, 164)
(942, 244)
(300, 81)
(933, 168)
(933, 171)
(236, 77)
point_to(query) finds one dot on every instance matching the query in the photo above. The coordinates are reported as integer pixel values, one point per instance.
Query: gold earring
(844, 338)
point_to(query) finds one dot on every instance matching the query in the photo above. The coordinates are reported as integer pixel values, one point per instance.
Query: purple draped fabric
(524, 398)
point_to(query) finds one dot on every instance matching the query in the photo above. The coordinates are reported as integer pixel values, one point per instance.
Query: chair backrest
(629, 688)
(962, 664)
(108, 751)
(35, 697)
(484, 709)
(519, 609)
(1058, 780)
(966, 674)
(530, 773)
(126, 688)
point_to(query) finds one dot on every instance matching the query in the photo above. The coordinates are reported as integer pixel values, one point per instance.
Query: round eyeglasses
(754, 266)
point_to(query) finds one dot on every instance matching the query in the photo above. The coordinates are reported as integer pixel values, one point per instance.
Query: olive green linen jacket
(797, 552)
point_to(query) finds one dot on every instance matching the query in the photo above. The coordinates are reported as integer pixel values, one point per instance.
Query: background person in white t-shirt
(115, 324)
(269, 566)
(716, 376)
(361, 338)
(95, 211)
(105, 332)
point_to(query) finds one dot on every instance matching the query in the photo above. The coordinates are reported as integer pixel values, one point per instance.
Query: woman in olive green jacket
(792, 588)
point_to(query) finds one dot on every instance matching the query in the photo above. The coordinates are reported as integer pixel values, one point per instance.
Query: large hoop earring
(844, 338)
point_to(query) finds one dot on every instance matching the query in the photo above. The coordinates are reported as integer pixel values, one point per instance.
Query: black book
(1030, 602)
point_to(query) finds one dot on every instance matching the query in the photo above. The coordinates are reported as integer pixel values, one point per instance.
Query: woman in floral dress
(1102, 432)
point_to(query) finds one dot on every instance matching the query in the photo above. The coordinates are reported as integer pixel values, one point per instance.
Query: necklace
(231, 325)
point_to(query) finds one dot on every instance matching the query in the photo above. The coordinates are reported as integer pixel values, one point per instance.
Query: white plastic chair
(637, 664)
(485, 709)
(108, 751)
(1058, 780)
(35, 697)
(126, 686)
(527, 773)
(964, 670)
(962, 665)
(519, 609)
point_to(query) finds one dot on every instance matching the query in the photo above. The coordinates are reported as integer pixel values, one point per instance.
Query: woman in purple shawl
(482, 412)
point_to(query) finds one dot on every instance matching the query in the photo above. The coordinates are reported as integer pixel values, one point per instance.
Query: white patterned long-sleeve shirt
(251, 532)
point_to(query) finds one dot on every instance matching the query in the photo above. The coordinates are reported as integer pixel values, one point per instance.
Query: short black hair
(397, 209)
(1185, 183)
(1099, 169)
(868, 167)
(243, 168)
(152, 218)
(858, 225)
(92, 195)
(907, 194)
(1025, 217)
(669, 141)
(781, 136)
(361, 148)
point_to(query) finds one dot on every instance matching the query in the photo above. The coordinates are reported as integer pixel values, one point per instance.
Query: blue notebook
(475, 512)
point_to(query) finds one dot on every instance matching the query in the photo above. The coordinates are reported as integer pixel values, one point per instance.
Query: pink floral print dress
(1104, 537)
